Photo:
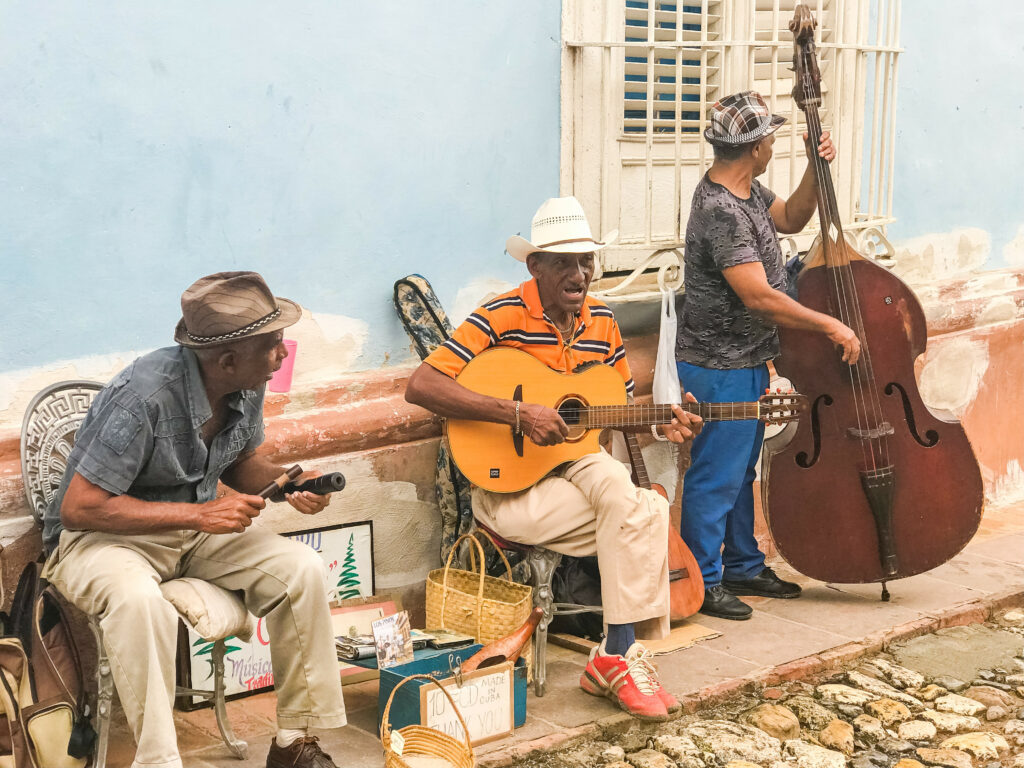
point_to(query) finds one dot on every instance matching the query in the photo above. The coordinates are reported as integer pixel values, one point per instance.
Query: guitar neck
(646, 414)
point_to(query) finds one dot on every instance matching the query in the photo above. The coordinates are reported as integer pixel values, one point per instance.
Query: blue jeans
(718, 494)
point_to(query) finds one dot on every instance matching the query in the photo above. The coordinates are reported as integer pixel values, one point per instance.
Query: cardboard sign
(484, 699)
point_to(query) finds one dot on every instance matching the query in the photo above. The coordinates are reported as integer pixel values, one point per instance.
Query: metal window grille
(639, 76)
(663, 87)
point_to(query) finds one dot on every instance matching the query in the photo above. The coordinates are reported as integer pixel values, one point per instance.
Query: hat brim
(519, 247)
(290, 314)
(765, 129)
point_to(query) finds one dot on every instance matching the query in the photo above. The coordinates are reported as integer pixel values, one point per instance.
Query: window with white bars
(638, 80)
(663, 87)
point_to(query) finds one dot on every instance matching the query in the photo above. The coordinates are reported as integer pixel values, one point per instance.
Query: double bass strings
(843, 281)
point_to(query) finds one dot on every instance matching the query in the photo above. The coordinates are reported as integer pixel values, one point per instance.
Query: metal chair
(47, 437)
(542, 564)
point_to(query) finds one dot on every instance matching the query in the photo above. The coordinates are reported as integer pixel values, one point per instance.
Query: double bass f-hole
(931, 437)
(801, 458)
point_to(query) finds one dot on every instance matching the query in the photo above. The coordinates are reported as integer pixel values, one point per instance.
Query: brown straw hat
(228, 306)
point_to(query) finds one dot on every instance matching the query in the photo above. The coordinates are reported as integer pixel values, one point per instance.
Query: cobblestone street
(956, 701)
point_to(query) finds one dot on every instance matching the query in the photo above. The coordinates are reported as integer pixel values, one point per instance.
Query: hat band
(563, 242)
(235, 334)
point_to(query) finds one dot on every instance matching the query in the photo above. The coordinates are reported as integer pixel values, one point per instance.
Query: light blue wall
(960, 120)
(333, 146)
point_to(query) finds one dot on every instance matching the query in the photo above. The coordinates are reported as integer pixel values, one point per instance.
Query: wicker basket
(424, 742)
(476, 604)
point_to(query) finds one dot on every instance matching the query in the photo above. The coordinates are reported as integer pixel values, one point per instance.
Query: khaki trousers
(117, 578)
(592, 507)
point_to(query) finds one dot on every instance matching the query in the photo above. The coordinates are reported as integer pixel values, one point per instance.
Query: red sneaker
(626, 680)
(638, 655)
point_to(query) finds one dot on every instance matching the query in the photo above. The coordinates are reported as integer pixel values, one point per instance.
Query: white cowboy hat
(558, 226)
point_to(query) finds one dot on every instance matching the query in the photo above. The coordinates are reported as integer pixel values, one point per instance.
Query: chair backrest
(48, 435)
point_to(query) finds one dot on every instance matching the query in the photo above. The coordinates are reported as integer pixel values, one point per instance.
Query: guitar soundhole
(572, 409)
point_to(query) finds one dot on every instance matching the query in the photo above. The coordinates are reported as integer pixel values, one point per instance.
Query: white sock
(287, 736)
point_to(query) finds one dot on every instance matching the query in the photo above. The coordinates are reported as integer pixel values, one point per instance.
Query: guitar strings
(866, 398)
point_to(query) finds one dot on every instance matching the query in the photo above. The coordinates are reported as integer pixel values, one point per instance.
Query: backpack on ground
(44, 718)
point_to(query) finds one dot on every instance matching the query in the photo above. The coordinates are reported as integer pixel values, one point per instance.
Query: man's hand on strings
(826, 148)
(542, 425)
(684, 425)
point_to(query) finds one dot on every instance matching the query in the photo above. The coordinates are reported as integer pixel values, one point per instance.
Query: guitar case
(428, 327)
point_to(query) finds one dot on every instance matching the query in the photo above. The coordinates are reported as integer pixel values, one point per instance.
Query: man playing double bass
(589, 506)
(735, 297)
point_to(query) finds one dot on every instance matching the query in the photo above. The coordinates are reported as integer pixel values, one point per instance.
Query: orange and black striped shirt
(517, 319)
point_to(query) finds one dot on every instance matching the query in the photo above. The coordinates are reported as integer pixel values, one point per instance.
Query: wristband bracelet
(657, 435)
(518, 429)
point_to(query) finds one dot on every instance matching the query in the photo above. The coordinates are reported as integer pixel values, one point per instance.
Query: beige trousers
(592, 507)
(117, 578)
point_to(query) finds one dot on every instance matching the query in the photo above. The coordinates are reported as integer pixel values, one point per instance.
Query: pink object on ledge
(281, 381)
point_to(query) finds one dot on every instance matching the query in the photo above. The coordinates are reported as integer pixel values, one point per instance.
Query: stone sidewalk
(784, 640)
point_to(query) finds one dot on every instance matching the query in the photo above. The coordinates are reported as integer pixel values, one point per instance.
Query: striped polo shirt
(517, 319)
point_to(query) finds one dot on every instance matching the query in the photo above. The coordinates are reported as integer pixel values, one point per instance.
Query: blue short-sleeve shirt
(142, 437)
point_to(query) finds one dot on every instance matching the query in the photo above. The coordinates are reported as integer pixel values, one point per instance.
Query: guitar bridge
(517, 440)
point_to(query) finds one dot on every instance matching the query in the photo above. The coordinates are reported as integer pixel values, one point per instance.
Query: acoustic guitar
(685, 581)
(494, 458)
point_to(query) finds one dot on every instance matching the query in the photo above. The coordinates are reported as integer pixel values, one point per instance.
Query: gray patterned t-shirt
(716, 330)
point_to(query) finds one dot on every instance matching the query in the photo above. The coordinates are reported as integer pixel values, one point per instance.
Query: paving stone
(612, 754)
(871, 759)
(949, 683)
(980, 744)
(888, 711)
(996, 713)
(869, 728)
(773, 719)
(772, 694)
(951, 758)
(649, 758)
(837, 735)
(894, 746)
(990, 696)
(917, 730)
(899, 676)
(810, 713)
(734, 741)
(930, 692)
(907, 762)
(960, 705)
(1014, 618)
(950, 722)
(844, 694)
(849, 711)
(681, 749)
(880, 689)
(807, 755)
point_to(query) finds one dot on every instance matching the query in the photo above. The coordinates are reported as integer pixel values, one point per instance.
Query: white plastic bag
(666, 376)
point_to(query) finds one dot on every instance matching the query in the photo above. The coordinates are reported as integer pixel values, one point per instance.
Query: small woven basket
(424, 742)
(474, 603)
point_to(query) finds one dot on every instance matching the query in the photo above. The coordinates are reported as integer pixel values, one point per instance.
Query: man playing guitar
(585, 507)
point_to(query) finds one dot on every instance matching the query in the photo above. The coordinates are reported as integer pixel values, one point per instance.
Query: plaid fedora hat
(741, 119)
(227, 306)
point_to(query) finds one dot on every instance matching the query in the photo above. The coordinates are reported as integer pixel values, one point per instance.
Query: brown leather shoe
(302, 753)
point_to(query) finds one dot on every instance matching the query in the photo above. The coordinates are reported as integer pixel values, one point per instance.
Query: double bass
(871, 485)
